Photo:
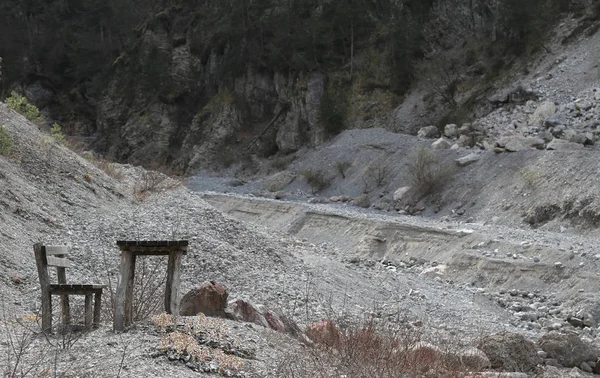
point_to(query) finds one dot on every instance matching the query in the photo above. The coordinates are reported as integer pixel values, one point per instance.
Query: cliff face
(207, 83)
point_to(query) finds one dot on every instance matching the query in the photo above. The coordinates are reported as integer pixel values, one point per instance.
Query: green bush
(6, 142)
(20, 104)
(57, 134)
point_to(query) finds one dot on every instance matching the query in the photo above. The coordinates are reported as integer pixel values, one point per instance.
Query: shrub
(57, 134)
(6, 142)
(316, 179)
(377, 176)
(20, 104)
(426, 174)
(371, 350)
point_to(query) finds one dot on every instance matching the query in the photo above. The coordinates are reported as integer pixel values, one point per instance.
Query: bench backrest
(56, 256)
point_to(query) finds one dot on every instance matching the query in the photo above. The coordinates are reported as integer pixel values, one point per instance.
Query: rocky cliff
(205, 84)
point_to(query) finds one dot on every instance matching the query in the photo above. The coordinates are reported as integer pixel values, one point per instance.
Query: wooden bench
(46, 256)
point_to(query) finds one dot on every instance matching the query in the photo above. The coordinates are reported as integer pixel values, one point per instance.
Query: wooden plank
(58, 262)
(172, 289)
(127, 263)
(129, 294)
(40, 260)
(88, 311)
(74, 290)
(61, 273)
(153, 243)
(97, 308)
(57, 250)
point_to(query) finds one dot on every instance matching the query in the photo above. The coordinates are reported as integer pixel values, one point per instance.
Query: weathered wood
(57, 250)
(42, 268)
(97, 308)
(58, 262)
(120, 296)
(73, 289)
(88, 311)
(172, 289)
(129, 293)
(61, 274)
(58, 258)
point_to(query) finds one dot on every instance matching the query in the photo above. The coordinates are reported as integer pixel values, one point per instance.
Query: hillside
(414, 198)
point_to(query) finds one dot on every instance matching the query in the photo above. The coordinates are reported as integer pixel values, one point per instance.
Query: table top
(153, 247)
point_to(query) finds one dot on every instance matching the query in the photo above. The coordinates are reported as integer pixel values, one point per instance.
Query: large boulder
(510, 352)
(568, 349)
(209, 299)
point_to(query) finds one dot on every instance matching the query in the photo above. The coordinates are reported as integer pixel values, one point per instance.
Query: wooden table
(129, 252)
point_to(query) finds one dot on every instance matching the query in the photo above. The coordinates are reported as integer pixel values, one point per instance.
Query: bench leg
(97, 308)
(65, 309)
(88, 311)
(46, 311)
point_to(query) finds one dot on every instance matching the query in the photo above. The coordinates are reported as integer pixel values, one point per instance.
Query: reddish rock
(209, 299)
(275, 322)
(324, 332)
(247, 312)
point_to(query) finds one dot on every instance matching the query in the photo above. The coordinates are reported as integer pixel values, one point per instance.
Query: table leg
(123, 295)
(172, 289)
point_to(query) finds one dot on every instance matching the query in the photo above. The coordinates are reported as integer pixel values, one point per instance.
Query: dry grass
(154, 182)
(373, 351)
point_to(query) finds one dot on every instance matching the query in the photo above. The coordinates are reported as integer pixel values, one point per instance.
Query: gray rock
(555, 120)
(441, 144)
(586, 367)
(451, 131)
(563, 145)
(568, 349)
(400, 193)
(362, 201)
(429, 132)
(544, 111)
(510, 352)
(469, 159)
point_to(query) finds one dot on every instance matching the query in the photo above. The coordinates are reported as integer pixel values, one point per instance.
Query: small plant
(530, 178)
(316, 179)
(151, 182)
(57, 134)
(426, 174)
(20, 104)
(343, 167)
(6, 142)
(377, 176)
